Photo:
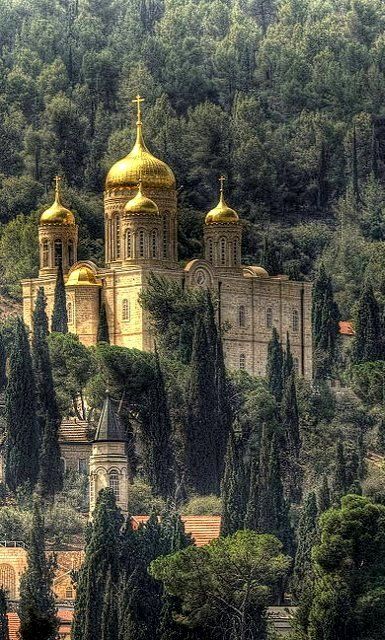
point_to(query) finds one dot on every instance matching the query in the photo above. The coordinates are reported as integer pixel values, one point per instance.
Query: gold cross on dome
(222, 180)
(138, 99)
(57, 185)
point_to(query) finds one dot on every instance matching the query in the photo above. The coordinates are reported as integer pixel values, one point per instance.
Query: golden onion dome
(140, 164)
(57, 213)
(82, 275)
(141, 204)
(222, 213)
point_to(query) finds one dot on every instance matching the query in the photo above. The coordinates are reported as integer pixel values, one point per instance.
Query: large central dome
(138, 165)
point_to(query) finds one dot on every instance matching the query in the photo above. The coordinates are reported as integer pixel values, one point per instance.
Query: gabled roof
(346, 328)
(110, 428)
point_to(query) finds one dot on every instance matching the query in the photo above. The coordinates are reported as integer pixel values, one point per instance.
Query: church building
(141, 227)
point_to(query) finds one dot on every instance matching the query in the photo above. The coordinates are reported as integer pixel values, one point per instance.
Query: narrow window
(235, 252)
(269, 318)
(125, 310)
(69, 593)
(165, 236)
(114, 483)
(141, 243)
(128, 244)
(295, 321)
(296, 365)
(210, 250)
(242, 361)
(117, 236)
(154, 243)
(242, 316)
(45, 253)
(83, 466)
(58, 252)
(223, 250)
(70, 313)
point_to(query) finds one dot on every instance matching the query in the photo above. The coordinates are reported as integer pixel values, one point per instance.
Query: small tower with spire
(58, 236)
(223, 234)
(109, 461)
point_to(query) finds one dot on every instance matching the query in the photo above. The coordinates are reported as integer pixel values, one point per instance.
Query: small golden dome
(82, 275)
(222, 213)
(141, 204)
(140, 164)
(57, 213)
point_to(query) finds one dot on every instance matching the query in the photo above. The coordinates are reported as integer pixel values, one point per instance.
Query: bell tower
(223, 234)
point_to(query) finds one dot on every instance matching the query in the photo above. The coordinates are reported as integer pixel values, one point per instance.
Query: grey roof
(110, 427)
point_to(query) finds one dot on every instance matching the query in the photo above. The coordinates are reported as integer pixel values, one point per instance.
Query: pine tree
(50, 474)
(368, 345)
(59, 315)
(101, 559)
(324, 501)
(291, 440)
(103, 332)
(274, 369)
(233, 489)
(4, 631)
(37, 610)
(23, 438)
(307, 538)
(340, 483)
(325, 324)
(156, 436)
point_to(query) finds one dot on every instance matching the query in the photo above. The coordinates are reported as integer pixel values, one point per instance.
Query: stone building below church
(140, 204)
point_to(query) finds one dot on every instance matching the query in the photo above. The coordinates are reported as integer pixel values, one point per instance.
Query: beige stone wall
(13, 562)
(86, 312)
(109, 460)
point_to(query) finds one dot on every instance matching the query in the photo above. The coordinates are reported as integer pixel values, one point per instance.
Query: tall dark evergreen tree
(23, 435)
(59, 315)
(307, 538)
(103, 332)
(156, 436)
(381, 435)
(271, 258)
(369, 342)
(340, 481)
(325, 324)
(279, 520)
(324, 501)
(291, 440)
(4, 630)
(275, 366)
(37, 610)
(101, 560)
(288, 363)
(3, 364)
(50, 474)
(233, 489)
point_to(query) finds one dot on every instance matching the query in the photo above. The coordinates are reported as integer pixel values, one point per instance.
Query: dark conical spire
(109, 428)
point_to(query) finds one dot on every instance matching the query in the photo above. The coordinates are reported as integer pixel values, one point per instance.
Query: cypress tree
(279, 524)
(37, 609)
(101, 559)
(23, 438)
(307, 538)
(103, 333)
(50, 475)
(59, 315)
(325, 324)
(274, 369)
(288, 363)
(252, 508)
(271, 258)
(291, 440)
(110, 610)
(156, 436)
(324, 501)
(368, 345)
(3, 364)
(4, 631)
(340, 483)
(233, 489)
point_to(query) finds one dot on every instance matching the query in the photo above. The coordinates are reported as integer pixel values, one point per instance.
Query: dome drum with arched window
(58, 236)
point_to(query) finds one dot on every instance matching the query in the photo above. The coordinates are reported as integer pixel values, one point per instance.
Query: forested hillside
(285, 98)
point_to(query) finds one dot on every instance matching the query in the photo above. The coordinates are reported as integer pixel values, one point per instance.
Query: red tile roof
(346, 328)
(203, 529)
(74, 431)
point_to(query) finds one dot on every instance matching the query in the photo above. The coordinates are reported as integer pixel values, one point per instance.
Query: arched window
(45, 253)
(295, 321)
(70, 312)
(8, 580)
(242, 316)
(125, 310)
(70, 252)
(210, 250)
(269, 318)
(154, 243)
(235, 252)
(242, 361)
(141, 243)
(128, 244)
(117, 236)
(69, 593)
(58, 252)
(222, 250)
(114, 483)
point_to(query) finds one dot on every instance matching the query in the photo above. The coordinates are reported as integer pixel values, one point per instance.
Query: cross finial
(57, 187)
(138, 99)
(221, 181)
